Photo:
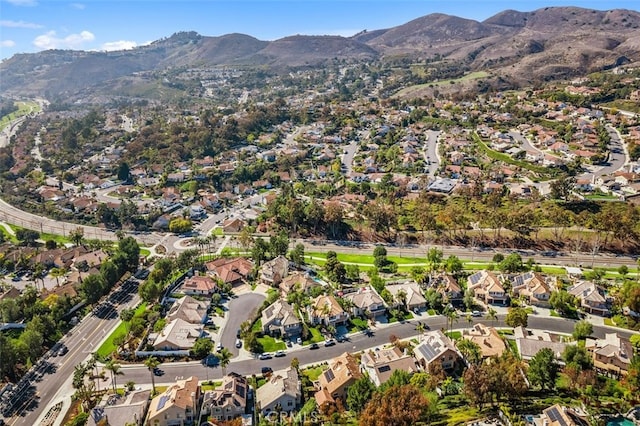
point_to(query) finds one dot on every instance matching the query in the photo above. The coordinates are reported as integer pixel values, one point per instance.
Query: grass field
(419, 87)
(499, 156)
(269, 344)
(107, 348)
(24, 108)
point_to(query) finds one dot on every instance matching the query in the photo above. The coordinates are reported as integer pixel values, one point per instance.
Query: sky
(28, 26)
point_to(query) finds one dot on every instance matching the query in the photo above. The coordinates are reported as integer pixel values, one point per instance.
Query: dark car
(63, 350)
(158, 372)
(314, 346)
(341, 339)
(267, 370)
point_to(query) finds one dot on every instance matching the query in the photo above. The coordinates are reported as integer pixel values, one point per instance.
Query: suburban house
(366, 302)
(280, 318)
(413, 298)
(273, 271)
(87, 260)
(591, 297)
(380, 365)
(534, 287)
(283, 390)
(229, 400)
(177, 335)
(447, 285)
(300, 281)
(200, 285)
(612, 354)
(233, 225)
(326, 310)
(121, 410)
(486, 287)
(333, 383)
(487, 338)
(436, 348)
(558, 415)
(234, 271)
(178, 405)
(530, 342)
(189, 309)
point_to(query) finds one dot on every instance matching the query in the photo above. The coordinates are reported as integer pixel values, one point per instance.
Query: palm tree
(114, 368)
(92, 365)
(57, 273)
(420, 329)
(469, 318)
(492, 314)
(470, 350)
(451, 315)
(401, 298)
(224, 357)
(152, 363)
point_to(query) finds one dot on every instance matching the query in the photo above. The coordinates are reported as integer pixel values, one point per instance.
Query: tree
(577, 356)
(259, 251)
(582, 329)
(543, 369)
(76, 236)
(434, 259)
(202, 347)
(297, 254)
(27, 237)
(492, 314)
(130, 250)
(123, 171)
(359, 394)
(224, 357)
(92, 288)
(451, 315)
(114, 368)
(470, 350)
(511, 263)
(126, 315)
(453, 265)
(180, 225)
(517, 317)
(563, 303)
(152, 363)
(252, 343)
(562, 188)
(278, 244)
(397, 406)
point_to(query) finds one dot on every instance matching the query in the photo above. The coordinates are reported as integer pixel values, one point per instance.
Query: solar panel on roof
(384, 369)
(475, 278)
(427, 351)
(555, 416)
(329, 375)
(163, 400)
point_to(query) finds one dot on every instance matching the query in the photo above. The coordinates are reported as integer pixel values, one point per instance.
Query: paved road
(81, 342)
(479, 255)
(617, 157)
(242, 307)
(347, 157)
(358, 342)
(430, 153)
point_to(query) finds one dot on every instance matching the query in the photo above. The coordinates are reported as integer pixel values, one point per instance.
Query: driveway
(239, 310)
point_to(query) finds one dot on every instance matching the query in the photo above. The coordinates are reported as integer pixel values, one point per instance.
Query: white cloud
(78, 6)
(50, 40)
(23, 2)
(19, 24)
(118, 45)
(7, 43)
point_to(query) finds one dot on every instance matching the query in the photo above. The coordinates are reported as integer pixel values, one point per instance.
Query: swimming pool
(619, 421)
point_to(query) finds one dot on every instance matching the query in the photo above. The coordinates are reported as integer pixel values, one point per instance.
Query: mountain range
(548, 43)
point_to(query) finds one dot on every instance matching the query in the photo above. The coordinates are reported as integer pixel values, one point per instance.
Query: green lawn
(24, 108)
(107, 348)
(144, 252)
(505, 158)
(358, 324)
(316, 336)
(257, 326)
(454, 335)
(210, 385)
(218, 232)
(269, 344)
(314, 373)
(418, 87)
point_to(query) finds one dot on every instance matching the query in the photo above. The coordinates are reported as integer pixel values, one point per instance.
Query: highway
(81, 341)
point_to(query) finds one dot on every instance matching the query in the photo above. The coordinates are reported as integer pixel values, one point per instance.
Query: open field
(419, 87)
(24, 108)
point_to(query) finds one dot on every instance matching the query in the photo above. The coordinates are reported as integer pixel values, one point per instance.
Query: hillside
(553, 42)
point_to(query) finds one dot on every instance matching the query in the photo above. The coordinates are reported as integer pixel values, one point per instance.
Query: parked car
(218, 347)
(476, 314)
(299, 340)
(238, 343)
(341, 339)
(63, 350)
(267, 370)
(279, 354)
(264, 356)
(329, 342)
(314, 346)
